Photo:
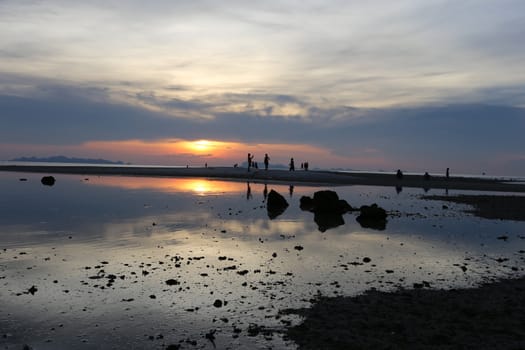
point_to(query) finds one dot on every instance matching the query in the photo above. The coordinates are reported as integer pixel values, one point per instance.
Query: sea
(114, 262)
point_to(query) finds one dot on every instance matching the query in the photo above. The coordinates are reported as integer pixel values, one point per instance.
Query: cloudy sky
(410, 84)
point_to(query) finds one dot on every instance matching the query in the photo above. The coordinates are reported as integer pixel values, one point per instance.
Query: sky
(375, 85)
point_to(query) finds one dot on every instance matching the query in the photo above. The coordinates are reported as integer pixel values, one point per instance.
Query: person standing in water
(266, 161)
(292, 165)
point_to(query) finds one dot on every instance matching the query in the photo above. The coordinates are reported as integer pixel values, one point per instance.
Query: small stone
(172, 282)
(217, 303)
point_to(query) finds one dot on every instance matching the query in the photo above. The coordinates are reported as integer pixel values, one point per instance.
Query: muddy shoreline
(488, 317)
(489, 207)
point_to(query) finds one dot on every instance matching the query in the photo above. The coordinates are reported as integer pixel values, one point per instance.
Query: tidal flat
(118, 262)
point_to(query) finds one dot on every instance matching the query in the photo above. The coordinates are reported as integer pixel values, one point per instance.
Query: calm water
(99, 251)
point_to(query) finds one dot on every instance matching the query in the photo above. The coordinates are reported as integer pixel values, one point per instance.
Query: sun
(201, 145)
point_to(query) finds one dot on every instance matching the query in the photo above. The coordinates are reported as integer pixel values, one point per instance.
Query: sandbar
(280, 175)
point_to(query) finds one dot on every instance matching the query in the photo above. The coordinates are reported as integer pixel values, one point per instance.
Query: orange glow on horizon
(211, 152)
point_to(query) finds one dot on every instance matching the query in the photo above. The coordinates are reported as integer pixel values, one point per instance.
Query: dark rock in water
(172, 282)
(307, 203)
(373, 217)
(22, 179)
(275, 204)
(32, 290)
(329, 202)
(327, 208)
(217, 303)
(48, 180)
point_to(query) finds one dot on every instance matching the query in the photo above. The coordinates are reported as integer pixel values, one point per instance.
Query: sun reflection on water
(170, 185)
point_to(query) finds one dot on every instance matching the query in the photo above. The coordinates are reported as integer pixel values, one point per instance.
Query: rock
(48, 180)
(172, 282)
(306, 203)
(329, 202)
(32, 290)
(217, 303)
(327, 208)
(373, 217)
(275, 204)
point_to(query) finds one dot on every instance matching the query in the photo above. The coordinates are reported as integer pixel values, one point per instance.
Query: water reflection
(170, 185)
(248, 191)
(202, 233)
(265, 193)
(327, 221)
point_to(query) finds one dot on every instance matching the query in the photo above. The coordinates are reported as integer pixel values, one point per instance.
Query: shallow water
(99, 251)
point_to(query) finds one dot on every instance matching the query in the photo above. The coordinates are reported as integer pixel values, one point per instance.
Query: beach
(291, 177)
(154, 257)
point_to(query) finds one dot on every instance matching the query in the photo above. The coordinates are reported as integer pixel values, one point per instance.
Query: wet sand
(489, 207)
(488, 317)
(260, 175)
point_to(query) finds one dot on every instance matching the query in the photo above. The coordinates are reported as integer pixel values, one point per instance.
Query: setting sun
(201, 145)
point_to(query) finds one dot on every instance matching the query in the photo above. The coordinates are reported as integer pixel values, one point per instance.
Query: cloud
(415, 138)
(344, 53)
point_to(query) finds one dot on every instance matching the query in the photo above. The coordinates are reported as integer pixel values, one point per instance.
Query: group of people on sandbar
(253, 164)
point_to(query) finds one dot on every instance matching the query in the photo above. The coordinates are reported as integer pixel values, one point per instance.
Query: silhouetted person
(302, 166)
(266, 161)
(291, 190)
(448, 173)
(292, 165)
(399, 174)
(306, 166)
(250, 158)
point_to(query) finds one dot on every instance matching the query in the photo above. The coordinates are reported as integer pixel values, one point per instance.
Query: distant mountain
(64, 159)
